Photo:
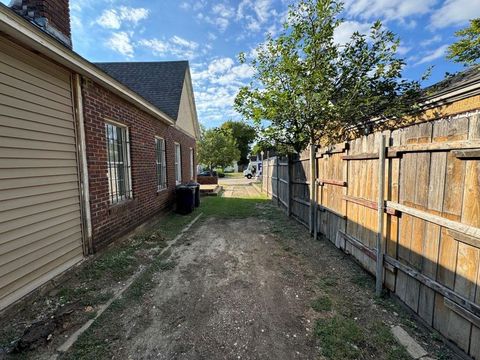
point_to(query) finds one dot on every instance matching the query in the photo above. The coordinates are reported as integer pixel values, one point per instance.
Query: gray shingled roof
(160, 83)
(454, 81)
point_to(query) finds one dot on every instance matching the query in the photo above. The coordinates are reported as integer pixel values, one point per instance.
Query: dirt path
(227, 298)
(260, 288)
(248, 283)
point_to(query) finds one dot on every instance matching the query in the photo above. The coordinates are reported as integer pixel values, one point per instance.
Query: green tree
(217, 148)
(244, 136)
(309, 89)
(467, 49)
(313, 90)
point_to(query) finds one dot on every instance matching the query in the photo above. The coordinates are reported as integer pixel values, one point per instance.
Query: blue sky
(210, 34)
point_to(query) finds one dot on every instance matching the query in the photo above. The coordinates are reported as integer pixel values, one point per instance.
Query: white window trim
(160, 188)
(128, 177)
(178, 164)
(192, 158)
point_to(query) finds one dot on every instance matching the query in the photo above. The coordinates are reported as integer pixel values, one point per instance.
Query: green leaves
(244, 136)
(217, 148)
(467, 49)
(308, 88)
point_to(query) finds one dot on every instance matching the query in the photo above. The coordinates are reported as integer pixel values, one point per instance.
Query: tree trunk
(313, 188)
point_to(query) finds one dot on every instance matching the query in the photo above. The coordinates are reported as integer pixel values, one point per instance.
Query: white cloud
(223, 10)
(114, 18)
(212, 36)
(403, 50)
(256, 13)
(433, 55)
(194, 5)
(219, 22)
(455, 12)
(177, 40)
(388, 9)
(121, 42)
(430, 41)
(216, 86)
(346, 29)
(175, 46)
(109, 19)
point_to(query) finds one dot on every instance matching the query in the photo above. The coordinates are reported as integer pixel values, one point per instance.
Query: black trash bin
(185, 199)
(195, 186)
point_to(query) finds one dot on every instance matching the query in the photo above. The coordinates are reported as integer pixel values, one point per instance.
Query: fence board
(431, 216)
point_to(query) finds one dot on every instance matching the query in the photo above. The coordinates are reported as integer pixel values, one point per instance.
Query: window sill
(121, 206)
(162, 190)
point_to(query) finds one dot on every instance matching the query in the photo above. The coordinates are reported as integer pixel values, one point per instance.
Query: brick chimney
(53, 16)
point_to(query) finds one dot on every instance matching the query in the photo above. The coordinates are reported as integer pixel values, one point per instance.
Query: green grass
(340, 338)
(327, 282)
(234, 175)
(322, 303)
(363, 280)
(382, 338)
(99, 341)
(238, 208)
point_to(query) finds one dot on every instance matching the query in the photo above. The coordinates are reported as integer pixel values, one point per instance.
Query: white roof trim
(193, 108)
(25, 32)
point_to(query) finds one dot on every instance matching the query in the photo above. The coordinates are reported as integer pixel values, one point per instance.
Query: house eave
(23, 31)
(455, 93)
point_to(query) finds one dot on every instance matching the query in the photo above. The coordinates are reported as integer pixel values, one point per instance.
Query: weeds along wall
(430, 219)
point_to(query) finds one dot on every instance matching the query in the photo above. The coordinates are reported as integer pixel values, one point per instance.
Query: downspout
(82, 151)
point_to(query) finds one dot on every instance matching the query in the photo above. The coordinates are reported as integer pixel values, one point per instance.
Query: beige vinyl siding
(185, 118)
(40, 221)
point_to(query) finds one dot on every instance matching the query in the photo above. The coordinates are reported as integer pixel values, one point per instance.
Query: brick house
(148, 184)
(87, 151)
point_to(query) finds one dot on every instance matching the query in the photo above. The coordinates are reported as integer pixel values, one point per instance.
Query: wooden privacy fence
(424, 224)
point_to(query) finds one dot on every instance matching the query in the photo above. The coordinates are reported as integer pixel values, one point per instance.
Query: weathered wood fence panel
(431, 214)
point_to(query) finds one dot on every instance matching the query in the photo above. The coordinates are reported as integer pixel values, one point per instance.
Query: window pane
(160, 163)
(118, 169)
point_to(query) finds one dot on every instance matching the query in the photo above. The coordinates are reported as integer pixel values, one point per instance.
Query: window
(178, 163)
(118, 162)
(161, 163)
(192, 174)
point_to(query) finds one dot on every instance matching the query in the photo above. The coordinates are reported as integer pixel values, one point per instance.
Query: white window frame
(192, 159)
(161, 163)
(113, 166)
(178, 163)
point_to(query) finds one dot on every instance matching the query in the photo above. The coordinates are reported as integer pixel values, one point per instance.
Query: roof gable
(160, 83)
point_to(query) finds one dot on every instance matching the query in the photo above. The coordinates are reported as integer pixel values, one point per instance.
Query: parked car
(207, 173)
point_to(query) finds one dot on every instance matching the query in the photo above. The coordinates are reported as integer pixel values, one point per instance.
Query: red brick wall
(110, 221)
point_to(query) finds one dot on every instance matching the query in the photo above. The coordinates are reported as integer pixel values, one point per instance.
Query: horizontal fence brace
(322, 182)
(371, 205)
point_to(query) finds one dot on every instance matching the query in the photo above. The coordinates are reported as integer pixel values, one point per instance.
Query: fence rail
(426, 231)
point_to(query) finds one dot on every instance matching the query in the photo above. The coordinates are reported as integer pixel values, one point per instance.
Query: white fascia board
(25, 32)
(193, 107)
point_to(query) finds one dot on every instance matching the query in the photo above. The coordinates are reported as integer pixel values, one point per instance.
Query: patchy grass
(340, 338)
(327, 282)
(362, 279)
(344, 338)
(94, 283)
(106, 333)
(322, 303)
